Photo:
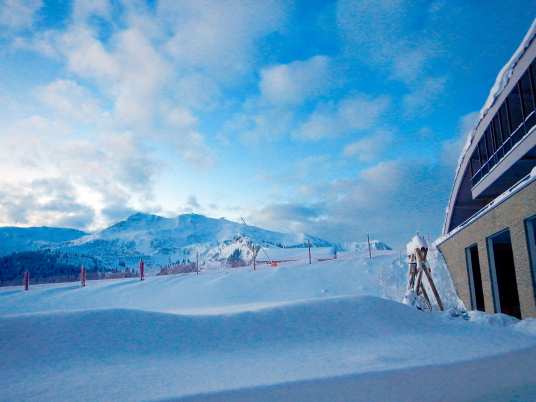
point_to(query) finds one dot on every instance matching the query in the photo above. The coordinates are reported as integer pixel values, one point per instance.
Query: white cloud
(219, 36)
(424, 94)
(390, 36)
(296, 82)
(369, 148)
(70, 100)
(452, 149)
(84, 9)
(390, 200)
(331, 120)
(191, 145)
(181, 117)
(257, 124)
(103, 176)
(19, 14)
(43, 202)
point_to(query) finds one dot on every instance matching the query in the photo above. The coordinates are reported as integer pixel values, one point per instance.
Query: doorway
(475, 278)
(530, 228)
(503, 275)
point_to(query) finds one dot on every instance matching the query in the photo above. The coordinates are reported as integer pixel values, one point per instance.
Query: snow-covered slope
(162, 241)
(297, 332)
(15, 239)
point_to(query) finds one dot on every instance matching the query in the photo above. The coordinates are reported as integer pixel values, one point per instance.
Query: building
(489, 233)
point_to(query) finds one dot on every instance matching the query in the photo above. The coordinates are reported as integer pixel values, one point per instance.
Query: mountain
(15, 239)
(162, 241)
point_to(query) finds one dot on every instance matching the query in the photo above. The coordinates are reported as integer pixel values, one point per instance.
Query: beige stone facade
(511, 214)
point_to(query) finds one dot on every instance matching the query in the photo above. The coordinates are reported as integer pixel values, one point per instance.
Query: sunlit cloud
(312, 121)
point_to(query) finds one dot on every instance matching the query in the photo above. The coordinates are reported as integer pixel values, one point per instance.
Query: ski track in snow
(297, 332)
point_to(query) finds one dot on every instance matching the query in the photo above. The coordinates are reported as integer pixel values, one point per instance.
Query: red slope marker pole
(142, 269)
(83, 276)
(26, 280)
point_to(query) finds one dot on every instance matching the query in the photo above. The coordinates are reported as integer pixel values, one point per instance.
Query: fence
(90, 276)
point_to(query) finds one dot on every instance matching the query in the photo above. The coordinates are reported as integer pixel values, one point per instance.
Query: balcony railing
(521, 132)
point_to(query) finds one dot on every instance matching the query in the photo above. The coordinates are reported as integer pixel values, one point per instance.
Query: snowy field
(297, 332)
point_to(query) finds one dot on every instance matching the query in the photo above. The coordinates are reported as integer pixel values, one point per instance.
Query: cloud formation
(315, 117)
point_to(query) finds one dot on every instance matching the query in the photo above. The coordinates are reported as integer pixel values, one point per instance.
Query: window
(527, 97)
(483, 151)
(489, 142)
(496, 126)
(514, 108)
(475, 162)
(505, 127)
(515, 117)
(532, 70)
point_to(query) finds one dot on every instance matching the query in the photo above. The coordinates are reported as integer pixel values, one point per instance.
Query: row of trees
(51, 267)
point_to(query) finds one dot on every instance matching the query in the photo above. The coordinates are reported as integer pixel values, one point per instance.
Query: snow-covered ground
(297, 332)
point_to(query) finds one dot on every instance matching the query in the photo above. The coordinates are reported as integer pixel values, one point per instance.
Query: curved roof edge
(500, 83)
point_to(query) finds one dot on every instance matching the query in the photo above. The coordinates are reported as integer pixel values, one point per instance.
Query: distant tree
(235, 255)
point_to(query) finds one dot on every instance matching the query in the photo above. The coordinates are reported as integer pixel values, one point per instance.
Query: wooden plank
(423, 290)
(434, 290)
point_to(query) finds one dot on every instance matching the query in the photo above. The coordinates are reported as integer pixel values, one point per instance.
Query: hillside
(15, 239)
(163, 241)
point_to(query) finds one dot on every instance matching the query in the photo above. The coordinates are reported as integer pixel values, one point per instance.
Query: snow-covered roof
(500, 84)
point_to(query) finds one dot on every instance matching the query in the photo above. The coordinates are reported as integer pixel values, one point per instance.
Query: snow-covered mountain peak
(162, 241)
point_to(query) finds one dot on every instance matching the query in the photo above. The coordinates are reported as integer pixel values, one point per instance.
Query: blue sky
(334, 118)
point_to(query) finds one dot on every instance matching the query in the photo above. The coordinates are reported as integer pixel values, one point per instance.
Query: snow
(527, 327)
(299, 332)
(418, 242)
(296, 254)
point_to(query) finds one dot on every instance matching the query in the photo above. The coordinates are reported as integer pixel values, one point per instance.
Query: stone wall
(510, 214)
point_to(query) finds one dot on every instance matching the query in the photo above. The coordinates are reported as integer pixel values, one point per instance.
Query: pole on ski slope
(368, 241)
(83, 276)
(142, 269)
(197, 263)
(260, 245)
(309, 244)
(26, 280)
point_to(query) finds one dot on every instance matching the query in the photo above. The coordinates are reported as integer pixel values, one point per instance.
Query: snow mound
(494, 320)
(140, 355)
(301, 332)
(526, 326)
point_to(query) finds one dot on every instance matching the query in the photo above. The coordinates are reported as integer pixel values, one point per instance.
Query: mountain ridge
(162, 241)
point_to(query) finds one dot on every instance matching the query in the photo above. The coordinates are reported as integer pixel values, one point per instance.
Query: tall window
(514, 107)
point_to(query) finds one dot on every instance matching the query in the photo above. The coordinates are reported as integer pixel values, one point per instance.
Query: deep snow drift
(297, 332)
